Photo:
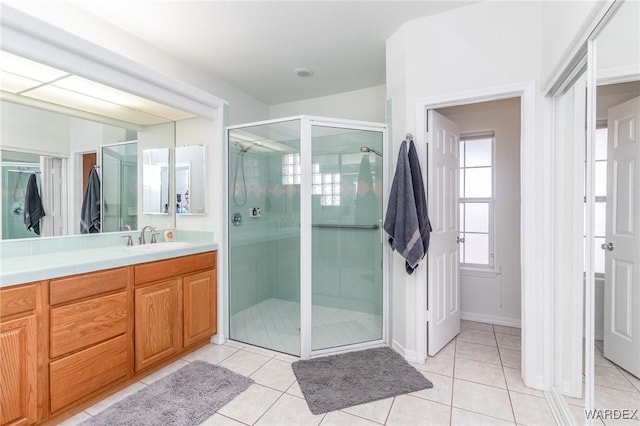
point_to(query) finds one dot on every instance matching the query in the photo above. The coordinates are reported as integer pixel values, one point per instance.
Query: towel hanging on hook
(407, 221)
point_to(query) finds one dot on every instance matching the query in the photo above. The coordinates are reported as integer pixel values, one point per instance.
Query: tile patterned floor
(331, 326)
(476, 381)
(614, 388)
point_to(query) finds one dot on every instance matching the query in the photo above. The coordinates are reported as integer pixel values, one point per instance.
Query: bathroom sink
(159, 246)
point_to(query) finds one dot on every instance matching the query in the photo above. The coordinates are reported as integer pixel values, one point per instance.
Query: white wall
(365, 105)
(202, 131)
(488, 298)
(484, 45)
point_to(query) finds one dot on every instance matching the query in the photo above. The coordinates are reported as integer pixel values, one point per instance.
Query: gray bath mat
(187, 397)
(338, 381)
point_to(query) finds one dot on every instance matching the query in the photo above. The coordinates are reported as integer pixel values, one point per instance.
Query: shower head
(244, 148)
(367, 149)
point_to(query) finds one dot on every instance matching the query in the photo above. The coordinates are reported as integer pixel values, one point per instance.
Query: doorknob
(459, 240)
(607, 246)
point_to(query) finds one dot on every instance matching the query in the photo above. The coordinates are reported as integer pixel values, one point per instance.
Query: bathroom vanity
(69, 340)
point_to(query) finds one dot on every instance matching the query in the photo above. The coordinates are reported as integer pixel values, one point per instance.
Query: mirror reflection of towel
(90, 213)
(366, 201)
(33, 210)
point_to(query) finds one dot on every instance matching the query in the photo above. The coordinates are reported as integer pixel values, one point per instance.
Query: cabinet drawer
(16, 300)
(86, 285)
(156, 271)
(80, 374)
(85, 323)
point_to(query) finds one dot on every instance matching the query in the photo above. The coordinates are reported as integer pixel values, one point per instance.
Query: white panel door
(622, 267)
(443, 286)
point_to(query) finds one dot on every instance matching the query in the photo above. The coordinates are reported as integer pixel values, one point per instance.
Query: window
(327, 185)
(600, 189)
(476, 201)
(291, 170)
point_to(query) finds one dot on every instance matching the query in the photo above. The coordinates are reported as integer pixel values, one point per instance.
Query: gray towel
(406, 221)
(33, 210)
(420, 196)
(90, 213)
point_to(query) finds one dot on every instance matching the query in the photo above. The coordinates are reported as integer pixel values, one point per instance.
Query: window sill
(480, 272)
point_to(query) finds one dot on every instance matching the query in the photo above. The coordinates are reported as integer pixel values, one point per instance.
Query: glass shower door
(264, 235)
(347, 281)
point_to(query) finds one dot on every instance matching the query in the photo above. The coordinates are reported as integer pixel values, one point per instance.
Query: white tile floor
(615, 388)
(476, 382)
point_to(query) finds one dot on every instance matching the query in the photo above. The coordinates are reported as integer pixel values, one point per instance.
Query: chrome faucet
(153, 234)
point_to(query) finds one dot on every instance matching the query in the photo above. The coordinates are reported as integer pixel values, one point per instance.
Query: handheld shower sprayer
(367, 149)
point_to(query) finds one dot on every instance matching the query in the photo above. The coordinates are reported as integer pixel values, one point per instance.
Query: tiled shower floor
(273, 323)
(476, 382)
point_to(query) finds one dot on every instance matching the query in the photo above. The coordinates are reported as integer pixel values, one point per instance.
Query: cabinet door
(158, 325)
(199, 293)
(18, 371)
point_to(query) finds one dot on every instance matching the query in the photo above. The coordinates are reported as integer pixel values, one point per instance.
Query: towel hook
(408, 137)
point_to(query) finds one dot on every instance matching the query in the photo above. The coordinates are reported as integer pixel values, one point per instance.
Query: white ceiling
(255, 46)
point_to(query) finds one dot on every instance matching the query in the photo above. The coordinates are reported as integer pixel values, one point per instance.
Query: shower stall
(305, 252)
(15, 176)
(119, 186)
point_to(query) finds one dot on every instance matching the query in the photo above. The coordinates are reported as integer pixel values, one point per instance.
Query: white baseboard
(410, 356)
(559, 408)
(491, 319)
(218, 339)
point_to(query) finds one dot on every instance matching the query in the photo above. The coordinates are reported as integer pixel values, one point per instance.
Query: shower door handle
(460, 240)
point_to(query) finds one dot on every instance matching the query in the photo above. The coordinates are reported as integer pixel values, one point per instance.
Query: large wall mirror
(33, 139)
(615, 315)
(66, 103)
(598, 366)
(121, 143)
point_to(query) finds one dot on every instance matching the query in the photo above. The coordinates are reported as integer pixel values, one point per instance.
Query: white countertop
(25, 269)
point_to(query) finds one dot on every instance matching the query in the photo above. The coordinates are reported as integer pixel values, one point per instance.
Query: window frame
(601, 124)
(491, 268)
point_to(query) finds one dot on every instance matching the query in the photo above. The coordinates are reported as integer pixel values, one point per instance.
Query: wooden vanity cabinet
(175, 306)
(72, 340)
(19, 376)
(90, 345)
(158, 325)
(200, 309)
